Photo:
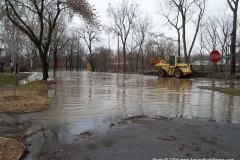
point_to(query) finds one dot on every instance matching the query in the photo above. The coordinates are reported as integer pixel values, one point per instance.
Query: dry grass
(28, 98)
(11, 149)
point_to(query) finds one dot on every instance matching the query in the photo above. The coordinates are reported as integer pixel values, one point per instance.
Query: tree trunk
(184, 40)
(233, 45)
(179, 42)
(55, 63)
(233, 36)
(124, 57)
(45, 67)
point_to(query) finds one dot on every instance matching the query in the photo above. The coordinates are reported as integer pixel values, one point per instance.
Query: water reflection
(87, 94)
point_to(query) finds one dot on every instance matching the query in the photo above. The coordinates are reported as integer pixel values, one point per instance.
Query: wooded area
(37, 34)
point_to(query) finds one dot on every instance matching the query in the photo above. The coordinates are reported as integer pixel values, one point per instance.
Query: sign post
(89, 67)
(60, 65)
(215, 56)
(227, 58)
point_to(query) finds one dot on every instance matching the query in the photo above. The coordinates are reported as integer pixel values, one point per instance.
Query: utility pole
(118, 58)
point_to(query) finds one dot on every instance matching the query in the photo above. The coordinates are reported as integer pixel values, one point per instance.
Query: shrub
(7, 69)
(23, 69)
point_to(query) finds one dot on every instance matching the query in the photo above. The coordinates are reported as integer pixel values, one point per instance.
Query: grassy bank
(235, 92)
(28, 98)
(8, 78)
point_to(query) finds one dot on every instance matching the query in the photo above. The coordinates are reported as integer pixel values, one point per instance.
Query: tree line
(37, 33)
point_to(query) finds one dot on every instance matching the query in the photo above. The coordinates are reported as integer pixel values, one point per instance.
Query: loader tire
(162, 73)
(178, 73)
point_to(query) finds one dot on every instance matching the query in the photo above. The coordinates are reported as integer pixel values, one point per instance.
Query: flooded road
(85, 101)
(87, 94)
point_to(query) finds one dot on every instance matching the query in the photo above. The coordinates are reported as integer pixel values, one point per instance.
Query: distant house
(199, 62)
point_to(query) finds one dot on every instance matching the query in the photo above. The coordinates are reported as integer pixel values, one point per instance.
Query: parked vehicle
(174, 68)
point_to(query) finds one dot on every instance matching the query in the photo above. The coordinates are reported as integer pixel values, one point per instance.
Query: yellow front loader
(174, 68)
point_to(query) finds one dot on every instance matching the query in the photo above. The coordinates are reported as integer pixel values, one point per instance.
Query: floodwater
(85, 101)
(88, 94)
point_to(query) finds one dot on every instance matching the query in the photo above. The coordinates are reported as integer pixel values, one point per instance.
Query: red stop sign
(59, 64)
(215, 56)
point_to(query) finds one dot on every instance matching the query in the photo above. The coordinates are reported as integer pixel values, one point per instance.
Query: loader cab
(174, 60)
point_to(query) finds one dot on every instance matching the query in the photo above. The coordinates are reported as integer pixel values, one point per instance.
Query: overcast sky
(149, 7)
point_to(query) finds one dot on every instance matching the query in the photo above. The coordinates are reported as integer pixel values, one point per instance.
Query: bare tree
(210, 32)
(14, 41)
(143, 27)
(163, 45)
(59, 40)
(123, 15)
(47, 12)
(71, 53)
(186, 10)
(215, 33)
(90, 35)
(173, 21)
(102, 55)
(31, 52)
(108, 32)
(224, 25)
(131, 50)
(233, 4)
(79, 54)
(2, 14)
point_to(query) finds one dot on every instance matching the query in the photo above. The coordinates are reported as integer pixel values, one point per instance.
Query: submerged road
(87, 106)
